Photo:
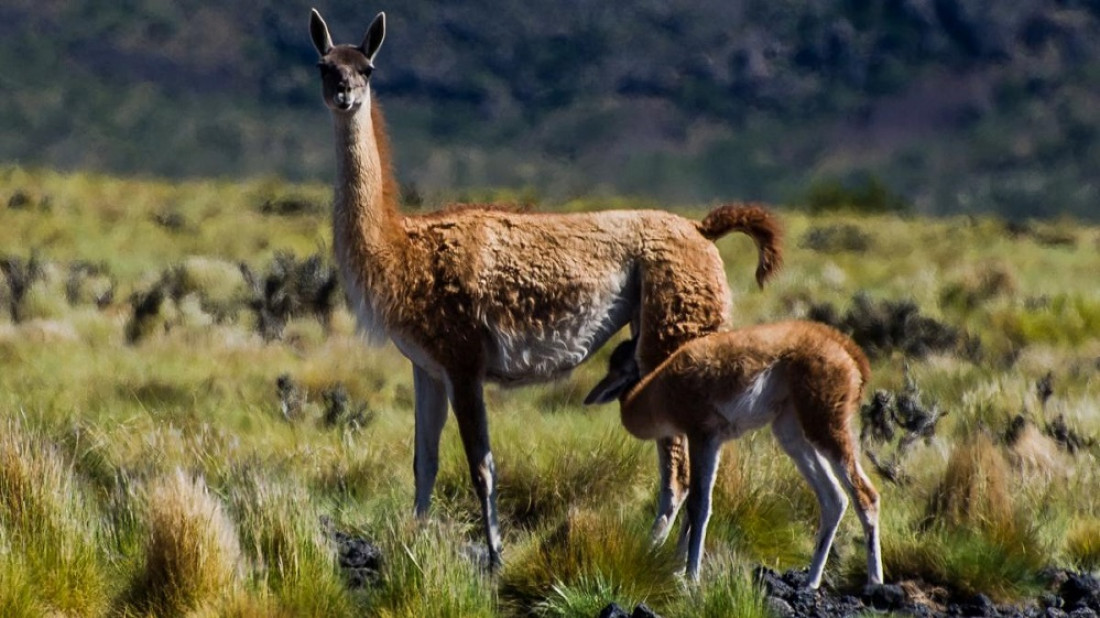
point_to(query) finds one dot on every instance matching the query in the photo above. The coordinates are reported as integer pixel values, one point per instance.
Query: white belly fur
(541, 354)
(755, 406)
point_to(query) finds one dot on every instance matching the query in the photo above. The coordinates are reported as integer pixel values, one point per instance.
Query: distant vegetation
(951, 105)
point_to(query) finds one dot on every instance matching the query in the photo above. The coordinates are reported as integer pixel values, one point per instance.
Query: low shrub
(866, 195)
(884, 326)
(89, 284)
(836, 238)
(290, 288)
(36, 288)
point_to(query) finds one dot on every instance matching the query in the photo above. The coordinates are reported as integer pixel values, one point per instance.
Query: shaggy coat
(805, 379)
(486, 294)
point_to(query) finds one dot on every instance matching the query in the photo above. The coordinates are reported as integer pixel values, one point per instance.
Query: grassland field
(167, 470)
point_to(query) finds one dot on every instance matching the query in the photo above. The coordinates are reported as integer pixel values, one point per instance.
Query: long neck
(367, 225)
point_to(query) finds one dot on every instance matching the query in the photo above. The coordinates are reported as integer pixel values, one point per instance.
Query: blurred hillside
(951, 105)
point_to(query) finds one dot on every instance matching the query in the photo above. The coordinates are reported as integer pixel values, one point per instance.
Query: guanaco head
(346, 69)
(622, 374)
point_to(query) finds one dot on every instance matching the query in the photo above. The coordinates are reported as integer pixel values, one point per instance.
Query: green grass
(49, 529)
(161, 477)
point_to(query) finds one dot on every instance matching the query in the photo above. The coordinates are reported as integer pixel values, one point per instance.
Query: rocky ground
(1076, 595)
(1068, 595)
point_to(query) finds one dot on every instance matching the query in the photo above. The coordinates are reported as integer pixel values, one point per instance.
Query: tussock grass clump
(425, 572)
(568, 472)
(974, 537)
(281, 533)
(198, 291)
(586, 561)
(1065, 319)
(219, 284)
(18, 599)
(985, 282)
(1032, 451)
(726, 589)
(48, 531)
(1083, 544)
(975, 488)
(578, 461)
(192, 555)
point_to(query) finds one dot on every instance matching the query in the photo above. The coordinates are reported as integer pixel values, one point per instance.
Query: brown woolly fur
(711, 370)
(451, 209)
(484, 293)
(391, 190)
(805, 379)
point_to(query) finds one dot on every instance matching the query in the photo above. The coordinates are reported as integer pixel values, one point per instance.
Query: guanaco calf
(803, 378)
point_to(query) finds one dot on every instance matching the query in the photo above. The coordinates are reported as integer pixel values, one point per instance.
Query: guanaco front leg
(467, 399)
(431, 415)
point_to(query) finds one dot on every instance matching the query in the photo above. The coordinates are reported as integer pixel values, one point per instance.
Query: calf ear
(608, 389)
(374, 37)
(318, 31)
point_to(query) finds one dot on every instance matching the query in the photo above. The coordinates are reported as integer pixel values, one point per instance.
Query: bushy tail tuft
(758, 223)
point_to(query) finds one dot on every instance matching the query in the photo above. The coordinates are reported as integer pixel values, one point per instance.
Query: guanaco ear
(609, 389)
(373, 39)
(318, 31)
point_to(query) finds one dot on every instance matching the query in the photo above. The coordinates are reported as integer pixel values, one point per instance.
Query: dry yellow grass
(192, 555)
(975, 490)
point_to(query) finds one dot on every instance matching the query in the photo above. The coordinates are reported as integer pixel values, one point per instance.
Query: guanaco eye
(366, 72)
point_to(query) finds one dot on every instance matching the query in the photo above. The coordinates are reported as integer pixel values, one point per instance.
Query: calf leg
(866, 500)
(672, 460)
(816, 470)
(705, 452)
